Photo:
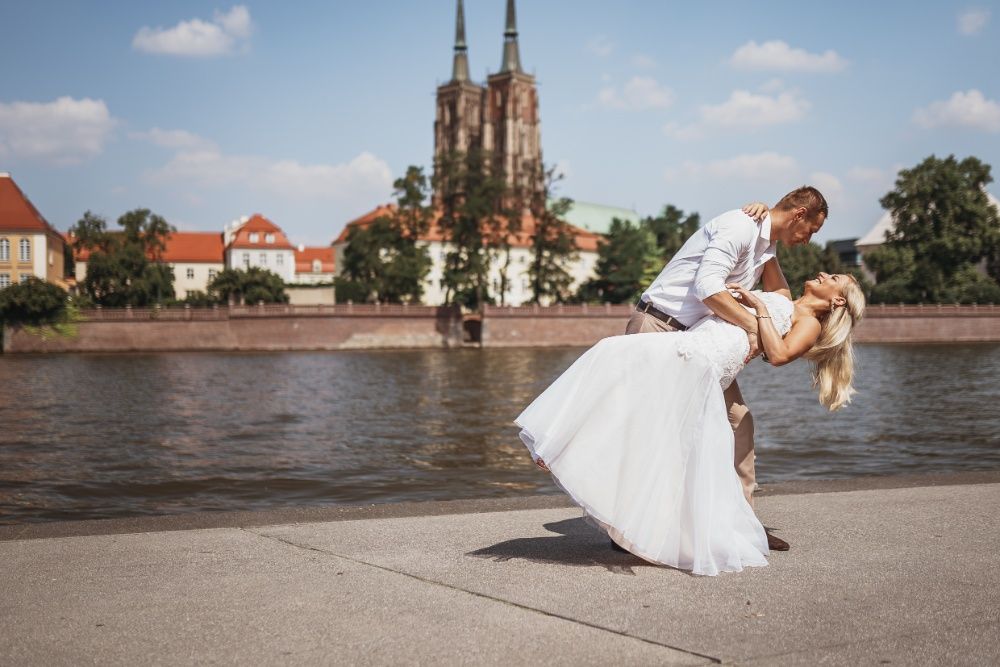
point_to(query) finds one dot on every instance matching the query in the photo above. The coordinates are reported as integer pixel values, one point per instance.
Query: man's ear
(801, 212)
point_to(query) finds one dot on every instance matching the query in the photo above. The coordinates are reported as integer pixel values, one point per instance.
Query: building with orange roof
(29, 245)
(256, 241)
(518, 291)
(314, 265)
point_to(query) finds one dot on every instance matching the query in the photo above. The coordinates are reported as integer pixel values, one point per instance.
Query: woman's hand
(756, 210)
(748, 299)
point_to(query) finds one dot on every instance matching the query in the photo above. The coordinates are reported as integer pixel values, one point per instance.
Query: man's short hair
(808, 197)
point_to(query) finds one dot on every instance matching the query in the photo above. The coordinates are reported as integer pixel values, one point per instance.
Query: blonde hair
(833, 352)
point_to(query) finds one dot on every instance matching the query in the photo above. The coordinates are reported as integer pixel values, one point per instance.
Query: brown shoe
(775, 543)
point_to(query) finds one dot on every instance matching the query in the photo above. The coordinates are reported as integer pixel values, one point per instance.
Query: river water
(96, 436)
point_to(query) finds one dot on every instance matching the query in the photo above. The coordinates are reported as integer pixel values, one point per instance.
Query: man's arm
(773, 278)
(727, 244)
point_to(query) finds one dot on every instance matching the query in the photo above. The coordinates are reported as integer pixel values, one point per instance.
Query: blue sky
(306, 111)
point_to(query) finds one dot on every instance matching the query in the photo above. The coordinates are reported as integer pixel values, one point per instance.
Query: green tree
(627, 260)
(671, 229)
(33, 302)
(386, 260)
(247, 286)
(944, 227)
(553, 243)
(126, 268)
(470, 195)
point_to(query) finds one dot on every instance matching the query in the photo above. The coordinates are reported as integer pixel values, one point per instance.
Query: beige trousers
(739, 414)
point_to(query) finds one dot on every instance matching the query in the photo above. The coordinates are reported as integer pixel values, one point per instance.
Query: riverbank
(352, 327)
(898, 570)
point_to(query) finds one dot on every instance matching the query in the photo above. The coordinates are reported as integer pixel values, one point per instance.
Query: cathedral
(500, 118)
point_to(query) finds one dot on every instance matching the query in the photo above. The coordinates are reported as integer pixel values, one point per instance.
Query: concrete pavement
(883, 572)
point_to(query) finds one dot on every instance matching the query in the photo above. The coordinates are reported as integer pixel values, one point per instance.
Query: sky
(305, 112)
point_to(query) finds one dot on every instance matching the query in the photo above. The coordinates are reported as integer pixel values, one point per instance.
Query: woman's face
(828, 287)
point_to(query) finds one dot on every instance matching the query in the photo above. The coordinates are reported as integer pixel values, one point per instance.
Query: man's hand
(756, 210)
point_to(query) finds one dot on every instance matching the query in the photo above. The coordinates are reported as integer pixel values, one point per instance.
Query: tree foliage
(247, 286)
(33, 302)
(553, 243)
(470, 191)
(386, 261)
(944, 228)
(125, 268)
(627, 260)
(671, 228)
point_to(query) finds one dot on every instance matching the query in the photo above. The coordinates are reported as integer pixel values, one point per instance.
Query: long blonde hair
(833, 352)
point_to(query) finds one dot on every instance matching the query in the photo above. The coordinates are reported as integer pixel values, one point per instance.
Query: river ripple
(96, 436)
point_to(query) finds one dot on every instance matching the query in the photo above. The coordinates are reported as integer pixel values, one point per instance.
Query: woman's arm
(773, 278)
(779, 351)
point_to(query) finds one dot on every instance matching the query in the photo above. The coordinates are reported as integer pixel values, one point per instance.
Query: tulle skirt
(637, 434)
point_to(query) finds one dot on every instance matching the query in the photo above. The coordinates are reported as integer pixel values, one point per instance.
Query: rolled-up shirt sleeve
(721, 256)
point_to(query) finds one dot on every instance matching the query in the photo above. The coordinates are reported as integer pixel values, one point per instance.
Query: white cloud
(601, 45)
(365, 178)
(66, 131)
(175, 139)
(642, 61)
(638, 94)
(867, 175)
(963, 109)
(829, 185)
(766, 166)
(226, 33)
(778, 55)
(743, 109)
(972, 21)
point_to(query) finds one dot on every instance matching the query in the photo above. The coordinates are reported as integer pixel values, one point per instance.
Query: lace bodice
(725, 345)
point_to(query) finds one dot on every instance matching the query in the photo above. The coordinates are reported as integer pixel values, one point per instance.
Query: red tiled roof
(304, 258)
(585, 240)
(182, 247)
(261, 226)
(17, 213)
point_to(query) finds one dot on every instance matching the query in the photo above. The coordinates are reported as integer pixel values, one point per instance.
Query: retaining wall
(371, 327)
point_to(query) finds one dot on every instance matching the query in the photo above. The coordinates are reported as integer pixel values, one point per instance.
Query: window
(5, 251)
(4, 280)
(52, 258)
(269, 238)
(263, 259)
(254, 237)
(317, 266)
(246, 260)
(24, 250)
(190, 273)
(211, 274)
(24, 277)
(280, 260)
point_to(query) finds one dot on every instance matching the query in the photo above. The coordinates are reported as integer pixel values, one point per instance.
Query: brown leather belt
(650, 309)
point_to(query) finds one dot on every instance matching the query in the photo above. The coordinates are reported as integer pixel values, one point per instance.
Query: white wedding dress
(636, 432)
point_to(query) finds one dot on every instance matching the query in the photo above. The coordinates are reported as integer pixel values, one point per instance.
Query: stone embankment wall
(344, 327)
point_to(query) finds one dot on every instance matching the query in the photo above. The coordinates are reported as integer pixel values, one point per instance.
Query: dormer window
(254, 237)
(269, 238)
(317, 266)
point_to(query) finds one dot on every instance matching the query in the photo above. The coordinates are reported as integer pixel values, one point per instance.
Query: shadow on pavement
(578, 544)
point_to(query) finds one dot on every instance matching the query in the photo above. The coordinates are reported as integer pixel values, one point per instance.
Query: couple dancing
(649, 433)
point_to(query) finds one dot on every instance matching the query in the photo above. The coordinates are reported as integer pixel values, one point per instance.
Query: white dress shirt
(731, 248)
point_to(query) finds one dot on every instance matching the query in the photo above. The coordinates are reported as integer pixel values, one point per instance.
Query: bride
(636, 430)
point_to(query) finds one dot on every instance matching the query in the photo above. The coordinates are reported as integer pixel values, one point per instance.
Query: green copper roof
(597, 217)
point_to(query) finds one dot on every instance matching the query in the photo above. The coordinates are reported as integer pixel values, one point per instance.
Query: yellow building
(29, 245)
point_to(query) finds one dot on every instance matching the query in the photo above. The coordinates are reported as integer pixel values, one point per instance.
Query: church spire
(511, 57)
(460, 65)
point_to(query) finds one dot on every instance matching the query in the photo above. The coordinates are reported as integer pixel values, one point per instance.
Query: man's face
(802, 227)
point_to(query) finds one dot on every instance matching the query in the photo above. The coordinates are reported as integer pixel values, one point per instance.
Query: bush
(34, 302)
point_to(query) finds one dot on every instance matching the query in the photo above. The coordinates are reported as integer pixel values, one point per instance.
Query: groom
(731, 248)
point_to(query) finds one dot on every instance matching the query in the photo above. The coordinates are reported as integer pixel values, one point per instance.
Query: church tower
(511, 126)
(458, 121)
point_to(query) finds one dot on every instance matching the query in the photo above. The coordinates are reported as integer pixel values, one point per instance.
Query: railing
(402, 310)
(188, 313)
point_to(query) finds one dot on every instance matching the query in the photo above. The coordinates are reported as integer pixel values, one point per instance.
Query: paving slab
(904, 575)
